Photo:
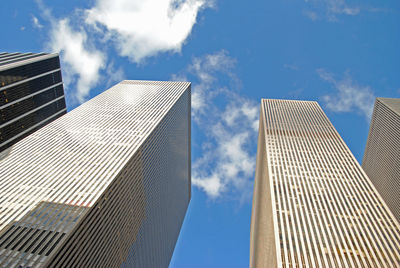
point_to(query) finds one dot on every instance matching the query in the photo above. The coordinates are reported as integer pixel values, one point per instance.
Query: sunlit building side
(313, 205)
(106, 185)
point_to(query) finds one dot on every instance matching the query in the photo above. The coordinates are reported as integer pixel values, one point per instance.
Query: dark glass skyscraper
(31, 94)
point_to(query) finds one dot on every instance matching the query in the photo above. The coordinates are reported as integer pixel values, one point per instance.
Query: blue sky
(340, 53)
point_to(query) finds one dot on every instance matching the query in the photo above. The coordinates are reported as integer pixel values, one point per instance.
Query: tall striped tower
(313, 205)
(382, 153)
(106, 185)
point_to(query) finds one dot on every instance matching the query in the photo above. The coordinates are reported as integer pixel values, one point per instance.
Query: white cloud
(349, 96)
(211, 185)
(330, 9)
(82, 61)
(228, 165)
(229, 123)
(36, 23)
(138, 28)
(144, 28)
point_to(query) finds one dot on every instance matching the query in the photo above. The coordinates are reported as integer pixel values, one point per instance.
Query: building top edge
(392, 103)
(285, 100)
(151, 82)
(39, 57)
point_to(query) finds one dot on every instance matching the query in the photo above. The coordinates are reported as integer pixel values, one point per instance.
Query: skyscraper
(31, 94)
(382, 153)
(107, 184)
(313, 205)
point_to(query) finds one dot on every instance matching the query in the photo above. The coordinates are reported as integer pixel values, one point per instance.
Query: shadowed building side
(31, 94)
(262, 248)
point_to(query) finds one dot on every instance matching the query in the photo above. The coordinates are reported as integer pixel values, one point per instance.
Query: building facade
(313, 205)
(381, 159)
(31, 94)
(106, 185)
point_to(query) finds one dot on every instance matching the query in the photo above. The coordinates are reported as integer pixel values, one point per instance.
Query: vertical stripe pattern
(104, 185)
(326, 212)
(382, 153)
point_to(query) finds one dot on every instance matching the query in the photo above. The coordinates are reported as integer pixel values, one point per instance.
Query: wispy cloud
(229, 123)
(295, 93)
(292, 66)
(329, 9)
(36, 23)
(114, 74)
(312, 15)
(141, 29)
(206, 70)
(349, 96)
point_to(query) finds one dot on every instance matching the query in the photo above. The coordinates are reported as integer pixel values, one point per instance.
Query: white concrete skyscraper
(313, 205)
(382, 153)
(107, 184)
